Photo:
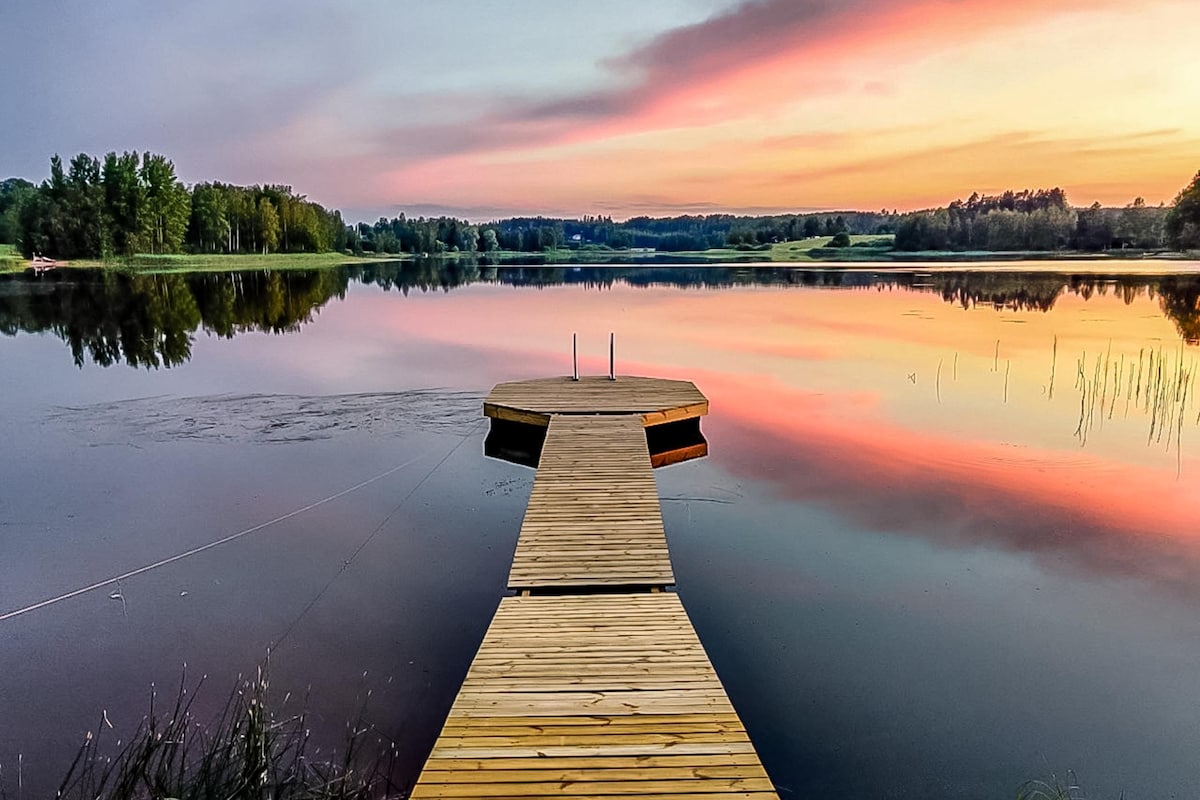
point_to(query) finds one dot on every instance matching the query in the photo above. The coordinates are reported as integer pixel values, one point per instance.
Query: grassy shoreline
(864, 250)
(206, 263)
(10, 259)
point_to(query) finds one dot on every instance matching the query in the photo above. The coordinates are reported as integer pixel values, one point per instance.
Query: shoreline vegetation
(130, 211)
(252, 747)
(864, 251)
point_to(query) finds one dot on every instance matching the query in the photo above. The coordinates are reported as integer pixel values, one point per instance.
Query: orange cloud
(764, 107)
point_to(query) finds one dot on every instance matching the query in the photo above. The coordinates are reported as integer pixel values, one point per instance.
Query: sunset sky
(618, 107)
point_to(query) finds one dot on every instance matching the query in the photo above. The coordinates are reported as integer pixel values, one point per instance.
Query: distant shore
(201, 262)
(863, 249)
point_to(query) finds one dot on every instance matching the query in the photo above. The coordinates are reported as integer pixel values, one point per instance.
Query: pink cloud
(745, 63)
(752, 54)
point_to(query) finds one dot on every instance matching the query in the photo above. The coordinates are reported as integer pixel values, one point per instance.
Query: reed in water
(248, 752)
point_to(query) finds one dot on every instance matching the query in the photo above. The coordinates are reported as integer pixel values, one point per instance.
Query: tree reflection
(1178, 295)
(1180, 301)
(150, 320)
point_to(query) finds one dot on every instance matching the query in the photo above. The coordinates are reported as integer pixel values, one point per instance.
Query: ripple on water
(266, 418)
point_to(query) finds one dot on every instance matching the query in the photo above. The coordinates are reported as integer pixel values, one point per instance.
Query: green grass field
(220, 262)
(870, 247)
(10, 259)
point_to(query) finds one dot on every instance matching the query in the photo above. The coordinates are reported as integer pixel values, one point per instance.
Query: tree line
(437, 235)
(131, 203)
(1043, 220)
(1026, 220)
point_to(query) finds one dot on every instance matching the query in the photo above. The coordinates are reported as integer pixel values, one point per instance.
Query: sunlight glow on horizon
(890, 115)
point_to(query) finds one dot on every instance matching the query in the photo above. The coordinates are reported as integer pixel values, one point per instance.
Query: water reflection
(149, 320)
(515, 442)
(669, 443)
(1066, 511)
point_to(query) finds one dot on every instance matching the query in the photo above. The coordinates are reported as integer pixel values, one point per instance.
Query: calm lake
(945, 541)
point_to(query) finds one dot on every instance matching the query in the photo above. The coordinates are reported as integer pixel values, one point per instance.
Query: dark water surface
(945, 541)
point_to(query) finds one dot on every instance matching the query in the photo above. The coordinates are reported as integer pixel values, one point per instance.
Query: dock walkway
(593, 517)
(592, 682)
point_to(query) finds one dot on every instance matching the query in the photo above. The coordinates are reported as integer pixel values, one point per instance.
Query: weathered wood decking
(584, 694)
(593, 517)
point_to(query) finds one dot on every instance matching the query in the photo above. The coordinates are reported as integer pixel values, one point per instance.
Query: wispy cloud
(678, 73)
(761, 104)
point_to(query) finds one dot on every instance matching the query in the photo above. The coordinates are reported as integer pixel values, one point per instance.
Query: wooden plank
(552, 765)
(515, 415)
(643, 786)
(551, 774)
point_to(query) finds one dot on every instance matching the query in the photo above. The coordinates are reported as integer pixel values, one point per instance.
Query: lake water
(945, 541)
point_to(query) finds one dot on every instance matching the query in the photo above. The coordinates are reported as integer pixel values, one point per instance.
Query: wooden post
(612, 372)
(574, 358)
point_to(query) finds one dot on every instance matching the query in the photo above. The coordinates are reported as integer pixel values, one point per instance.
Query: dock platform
(655, 400)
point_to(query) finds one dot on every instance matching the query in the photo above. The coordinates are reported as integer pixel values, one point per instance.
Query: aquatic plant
(1160, 387)
(1053, 789)
(248, 752)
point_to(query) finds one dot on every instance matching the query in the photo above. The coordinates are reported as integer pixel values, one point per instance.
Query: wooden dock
(592, 682)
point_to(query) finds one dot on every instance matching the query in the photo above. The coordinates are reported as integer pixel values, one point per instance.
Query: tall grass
(1055, 788)
(248, 752)
(1162, 387)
